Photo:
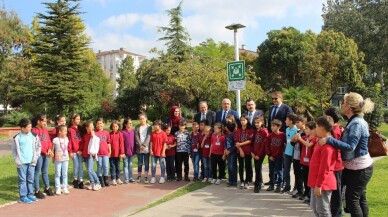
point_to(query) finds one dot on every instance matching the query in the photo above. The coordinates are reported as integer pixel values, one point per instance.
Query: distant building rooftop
(120, 51)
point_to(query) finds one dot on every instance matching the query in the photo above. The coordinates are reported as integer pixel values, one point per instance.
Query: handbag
(377, 144)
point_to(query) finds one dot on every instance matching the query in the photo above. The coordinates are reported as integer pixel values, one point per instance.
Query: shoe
(307, 201)
(297, 195)
(25, 200)
(246, 185)
(178, 179)
(106, 181)
(294, 191)
(33, 199)
(210, 180)
(285, 190)
(256, 189)
(218, 182)
(39, 194)
(146, 180)
(301, 197)
(270, 188)
(66, 191)
(277, 190)
(187, 179)
(262, 185)
(58, 191)
(75, 183)
(267, 183)
(102, 183)
(138, 179)
(126, 181)
(213, 181)
(97, 187)
(114, 183)
(161, 180)
(81, 185)
(90, 187)
(242, 185)
(204, 180)
(131, 181)
(119, 181)
(49, 192)
(153, 180)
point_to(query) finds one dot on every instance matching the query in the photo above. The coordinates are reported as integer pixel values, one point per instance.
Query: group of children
(211, 149)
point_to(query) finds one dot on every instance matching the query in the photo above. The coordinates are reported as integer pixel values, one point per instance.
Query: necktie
(203, 116)
(274, 111)
(250, 117)
(224, 116)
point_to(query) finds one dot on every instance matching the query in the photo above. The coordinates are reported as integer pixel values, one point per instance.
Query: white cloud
(121, 22)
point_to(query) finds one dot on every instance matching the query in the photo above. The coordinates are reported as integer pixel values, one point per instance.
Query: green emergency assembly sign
(236, 71)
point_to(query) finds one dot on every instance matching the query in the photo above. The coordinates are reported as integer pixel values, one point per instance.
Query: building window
(341, 90)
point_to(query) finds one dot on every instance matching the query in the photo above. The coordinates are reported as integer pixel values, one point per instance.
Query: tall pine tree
(127, 75)
(61, 79)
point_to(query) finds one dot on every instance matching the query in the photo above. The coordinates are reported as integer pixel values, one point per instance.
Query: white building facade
(110, 62)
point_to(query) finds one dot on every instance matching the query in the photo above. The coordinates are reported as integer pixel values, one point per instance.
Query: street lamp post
(236, 58)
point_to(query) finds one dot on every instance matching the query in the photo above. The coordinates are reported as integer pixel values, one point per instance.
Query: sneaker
(294, 191)
(210, 180)
(126, 181)
(96, 187)
(301, 197)
(25, 200)
(75, 183)
(90, 187)
(285, 190)
(297, 195)
(66, 191)
(114, 182)
(256, 189)
(146, 180)
(119, 181)
(307, 201)
(213, 181)
(270, 188)
(49, 192)
(58, 191)
(131, 180)
(33, 199)
(39, 194)
(262, 185)
(138, 179)
(81, 185)
(204, 180)
(267, 183)
(178, 179)
(187, 179)
(246, 185)
(218, 182)
(161, 180)
(153, 180)
(242, 185)
(277, 190)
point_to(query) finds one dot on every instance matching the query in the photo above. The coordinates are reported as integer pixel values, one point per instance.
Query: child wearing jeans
(321, 173)
(217, 151)
(117, 152)
(129, 149)
(195, 138)
(158, 151)
(61, 159)
(26, 150)
(205, 146)
(75, 139)
(103, 153)
(142, 137)
(289, 151)
(230, 154)
(170, 154)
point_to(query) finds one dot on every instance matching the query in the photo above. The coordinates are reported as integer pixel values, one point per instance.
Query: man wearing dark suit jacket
(252, 112)
(278, 110)
(206, 114)
(225, 111)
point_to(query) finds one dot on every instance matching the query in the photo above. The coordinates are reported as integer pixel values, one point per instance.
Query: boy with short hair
(289, 151)
(274, 148)
(182, 141)
(230, 154)
(158, 150)
(298, 187)
(321, 172)
(26, 149)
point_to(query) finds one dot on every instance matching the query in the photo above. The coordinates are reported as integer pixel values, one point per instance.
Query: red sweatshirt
(206, 147)
(259, 142)
(170, 141)
(45, 140)
(74, 139)
(116, 144)
(104, 141)
(241, 135)
(217, 144)
(337, 135)
(158, 139)
(307, 152)
(195, 141)
(276, 144)
(85, 144)
(321, 171)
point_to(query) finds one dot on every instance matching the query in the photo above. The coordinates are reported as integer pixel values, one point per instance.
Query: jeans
(78, 170)
(298, 177)
(128, 167)
(143, 159)
(355, 195)
(102, 165)
(206, 167)
(195, 156)
(61, 168)
(305, 176)
(42, 166)
(258, 173)
(114, 163)
(232, 168)
(216, 160)
(92, 174)
(245, 163)
(26, 180)
(276, 167)
(336, 196)
(182, 157)
(287, 161)
(170, 166)
(162, 162)
(321, 205)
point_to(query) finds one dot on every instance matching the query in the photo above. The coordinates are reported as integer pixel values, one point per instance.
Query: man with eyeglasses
(205, 114)
(278, 110)
(225, 111)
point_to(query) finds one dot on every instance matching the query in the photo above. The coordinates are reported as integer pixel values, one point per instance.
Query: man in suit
(252, 112)
(225, 111)
(278, 110)
(205, 114)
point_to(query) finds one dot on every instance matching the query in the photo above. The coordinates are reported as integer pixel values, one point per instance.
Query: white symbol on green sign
(236, 71)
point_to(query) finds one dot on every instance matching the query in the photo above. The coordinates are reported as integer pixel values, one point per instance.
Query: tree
(61, 79)
(127, 77)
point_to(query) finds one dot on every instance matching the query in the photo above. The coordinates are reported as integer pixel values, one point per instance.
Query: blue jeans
(61, 171)
(26, 180)
(287, 161)
(143, 158)
(42, 166)
(128, 167)
(162, 163)
(276, 167)
(195, 156)
(232, 168)
(207, 167)
(92, 174)
(170, 166)
(103, 165)
(114, 167)
(78, 170)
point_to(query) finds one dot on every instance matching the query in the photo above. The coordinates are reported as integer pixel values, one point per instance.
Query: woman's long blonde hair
(358, 104)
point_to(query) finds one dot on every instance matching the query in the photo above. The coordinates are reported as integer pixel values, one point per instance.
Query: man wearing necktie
(225, 111)
(205, 114)
(252, 112)
(278, 110)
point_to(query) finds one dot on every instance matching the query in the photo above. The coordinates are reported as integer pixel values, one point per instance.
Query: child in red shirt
(205, 146)
(321, 174)
(103, 152)
(117, 152)
(217, 151)
(170, 154)
(258, 151)
(75, 140)
(158, 151)
(195, 140)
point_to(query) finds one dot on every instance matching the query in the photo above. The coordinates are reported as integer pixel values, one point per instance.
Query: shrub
(14, 117)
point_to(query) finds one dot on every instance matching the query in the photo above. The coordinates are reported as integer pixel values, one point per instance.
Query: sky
(133, 24)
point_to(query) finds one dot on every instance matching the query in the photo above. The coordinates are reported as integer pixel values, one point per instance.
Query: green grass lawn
(377, 190)
(384, 129)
